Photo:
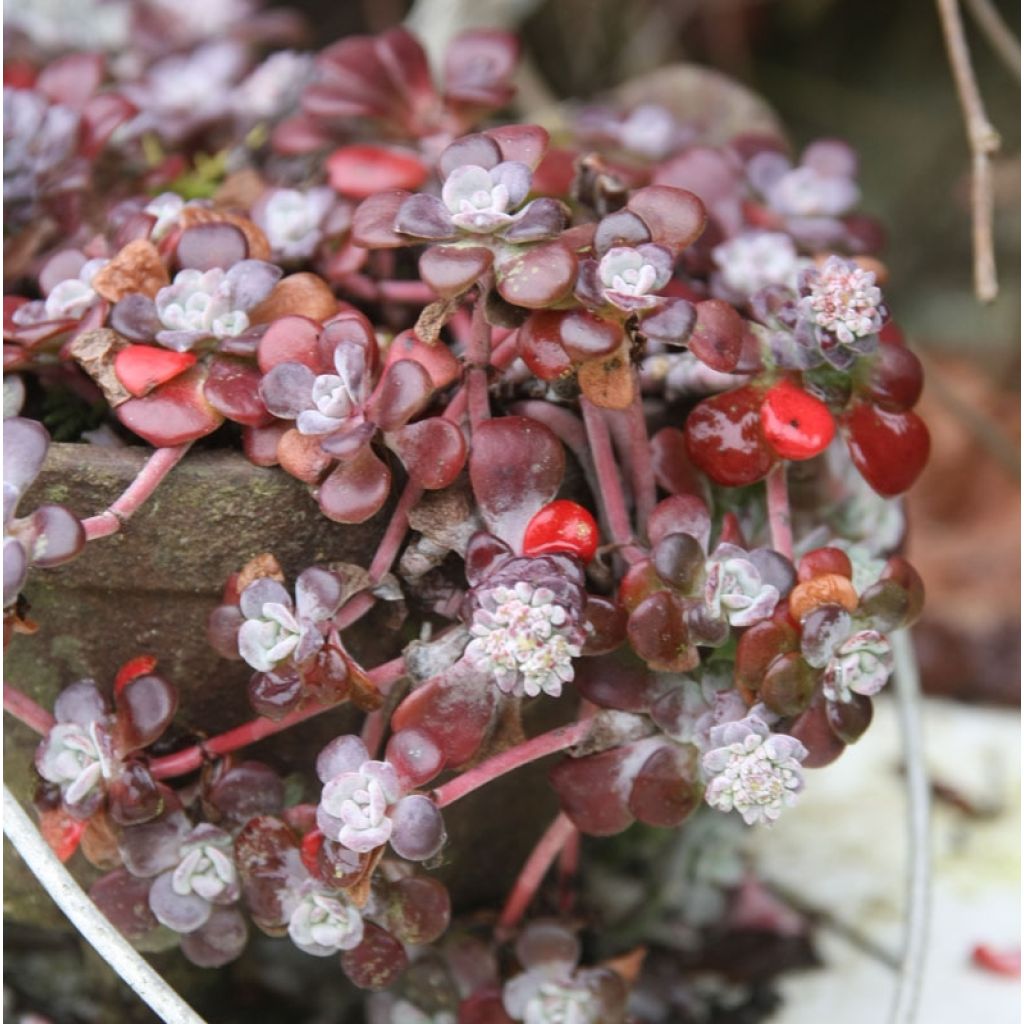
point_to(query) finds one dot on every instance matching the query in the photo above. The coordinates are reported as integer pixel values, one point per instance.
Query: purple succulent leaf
(135, 318)
(287, 390)
(423, 216)
(249, 282)
(260, 592)
(81, 703)
(57, 536)
(15, 570)
(318, 594)
(154, 847)
(470, 150)
(25, 446)
(671, 323)
(219, 941)
(622, 228)
(341, 755)
(222, 630)
(404, 391)
(766, 169)
(516, 177)
(180, 913)
(418, 831)
(588, 285)
(349, 441)
(181, 341)
(541, 219)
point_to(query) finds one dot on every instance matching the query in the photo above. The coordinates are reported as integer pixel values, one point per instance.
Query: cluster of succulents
(605, 352)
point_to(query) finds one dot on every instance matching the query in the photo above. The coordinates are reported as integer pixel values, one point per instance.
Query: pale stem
(997, 32)
(160, 463)
(983, 140)
(548, 847)
(778, 511)
(26, 710)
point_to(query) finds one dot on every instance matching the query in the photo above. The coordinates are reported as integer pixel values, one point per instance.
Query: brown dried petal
(296, 295)
(136, 268)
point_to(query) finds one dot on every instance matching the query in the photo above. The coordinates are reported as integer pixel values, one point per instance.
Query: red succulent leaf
(356, 490)
(667, 789)
(290, 339)
(140, 666)
(174, 413)
(141, 368)
(620, 681)
(61, 832)
(373, 223)
(813, 729)
(377, 961)
(363, 170)
(433, 451)
(145, 705)
(450, 270)
(538, 277)
(403, 392)
(562, 526)
(671, 461)
(674, 217)
(233, 389)
(516, 466)
(593, 793)
(540, 345)
(797, 425)
(717, 336)
(525, 143)
(437, 360)
(888, 448)
(724, 438)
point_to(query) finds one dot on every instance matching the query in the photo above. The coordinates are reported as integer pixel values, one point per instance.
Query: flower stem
(508, 760)
(548, 847)
(160, 463)
(26, 710)
(609, 480)
(778, 511)
(185, 761)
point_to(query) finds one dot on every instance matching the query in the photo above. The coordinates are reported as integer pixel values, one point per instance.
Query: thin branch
(907, 685)
(548, 847)
(184, 761)
(983, 140)
(997, 32)
(26, 710)
(508, 760)
(479, 356)
(160, 463)
(111, 946)
(778, 511)
(641, 467)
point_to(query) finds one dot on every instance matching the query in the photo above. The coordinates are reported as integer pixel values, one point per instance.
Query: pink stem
(645, 489)
(185, 761)
(160, 463)
(508, 760)
(362, 287)
(568, 868)
(536, 867)
(608, 478)
(26, 710)
(778, 511)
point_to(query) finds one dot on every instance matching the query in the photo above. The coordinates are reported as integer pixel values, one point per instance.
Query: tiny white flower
(525, 639)
(558, 1002)
(843, 301)
(291, 220)
(806, 192)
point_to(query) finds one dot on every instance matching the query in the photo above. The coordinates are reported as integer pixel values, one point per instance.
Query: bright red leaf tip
(140, 368)
(997, 961)
(309, 851)
(797, 425)
(562, 527)
(140, 666)
(62, 833)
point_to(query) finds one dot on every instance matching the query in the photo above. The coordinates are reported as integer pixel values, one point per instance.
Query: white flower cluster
(843, 301)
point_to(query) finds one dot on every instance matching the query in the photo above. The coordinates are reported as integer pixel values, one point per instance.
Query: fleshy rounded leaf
(450, 270)
(538, 277)
(433, 452)
(363, 170)
(356, 490)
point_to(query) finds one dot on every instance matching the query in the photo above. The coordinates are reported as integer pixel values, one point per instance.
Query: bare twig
(94, 927)
(915, 938)
(983, 140)
(997, 32)
(778, 511)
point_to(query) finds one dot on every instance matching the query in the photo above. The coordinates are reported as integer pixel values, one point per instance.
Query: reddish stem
(362, 287)
(479, 356)
(568, 868)
(641, 467)
(26, 710)
(160, 463)
(508, 760)
(536, 867)
(609, 480)
(185, 761)
(778, 511)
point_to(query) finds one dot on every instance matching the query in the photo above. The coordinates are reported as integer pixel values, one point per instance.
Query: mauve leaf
(516, 466)
(682, 513)
(15, 570)
(101, 116)
(538, 277)
(260, 443)
(373, 223)
(246, 790)
(25, 446)
(403, 392)
(136, 318)
(586, 336)
(540, 345)
(667, 789)
(620, 228)
(671, 461)
(674, 217)
(215, 244)
(478, 65)
(620, 681)
(174, 413)
(405, 62)
(290, 339)
(470, 150)
(523, 142)
(450, 269)
(124, 901)
(57, 536)
(233, 389)
(423, 216)
(251, 281)
(287, 389)
(363, 170)
(433, 451)
(72, 79)
(80, 703)
(318, 593)
(671, 323)
(717, 336)
(541, 219)
(346, 442)
(219, 941)
(145, 707)
(180, 913)
(356, 490)
(591, 791)
(437, 360)
(61, 266)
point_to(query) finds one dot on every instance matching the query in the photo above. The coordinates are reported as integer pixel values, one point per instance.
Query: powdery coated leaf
(287, 389)
(291, 339)
(593, 791)
(25, 446)
(418, 831)
(245, 791)
(433, 452)
(526, 143)
(318, 593)
(478, 66)
(216, 244)
(180, 913)
(80, 703)
(424, 216)
(717, 335)
(356, 490)
(469, 151)
(151, 848)
(667, 789)
(682, 513)
(541, 219)
(516, 466)
(124, 901)
(376, 962)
